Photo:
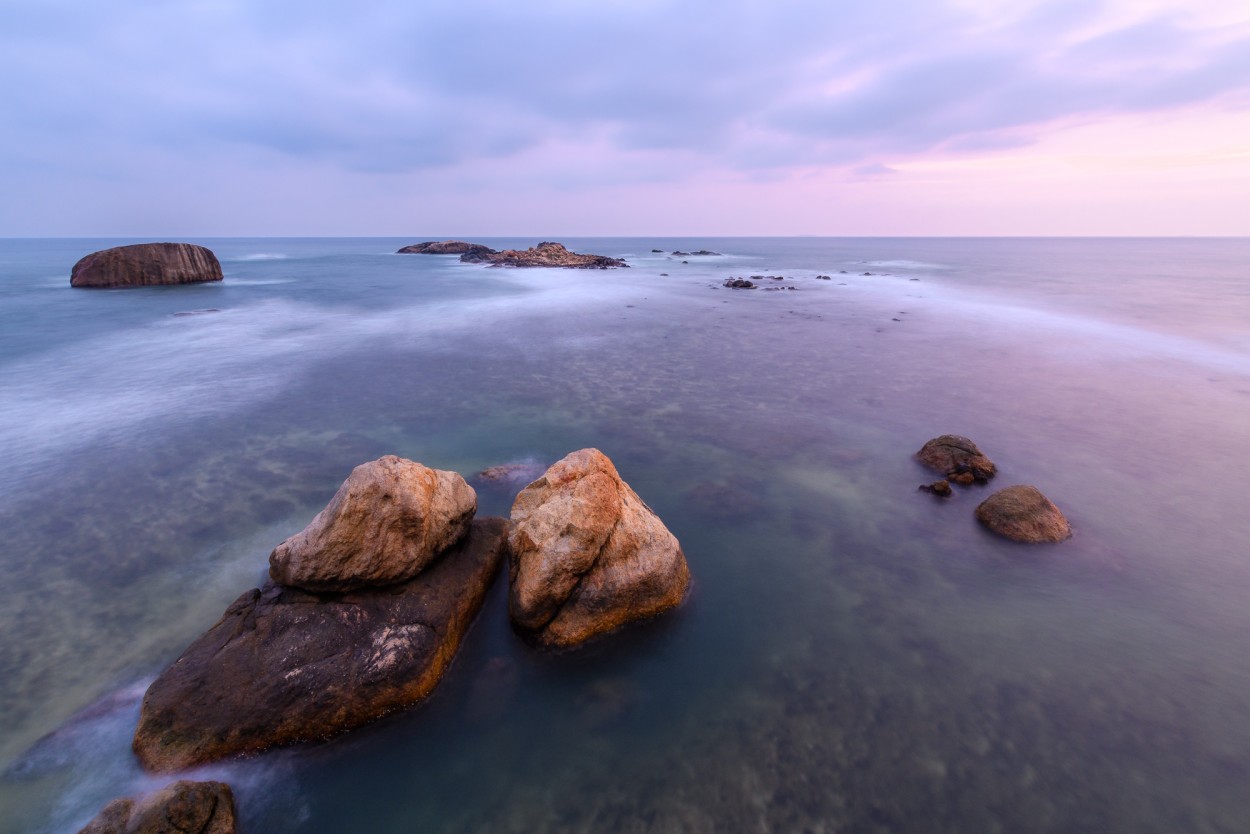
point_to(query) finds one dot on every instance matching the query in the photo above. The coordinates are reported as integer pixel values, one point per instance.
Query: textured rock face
(588, 555)
(283, 665)
(958, 458)
(1022, 513)
(181, 808)
(387, 521)
(446, 247)
(544, 254)
(146, 265)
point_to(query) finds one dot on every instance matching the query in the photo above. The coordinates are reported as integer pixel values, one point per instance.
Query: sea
(855, 655)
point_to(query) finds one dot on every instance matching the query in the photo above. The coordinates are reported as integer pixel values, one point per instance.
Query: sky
(145, 118)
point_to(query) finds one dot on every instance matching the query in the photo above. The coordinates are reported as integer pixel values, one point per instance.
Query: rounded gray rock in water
(388, 520)
(146, 265)
(957, 458)
(1023, 514)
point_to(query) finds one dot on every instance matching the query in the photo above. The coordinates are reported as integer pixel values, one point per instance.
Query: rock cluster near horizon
(445, 247)
(618, 563)
(545, 254)
(183, 807)
(146, 265)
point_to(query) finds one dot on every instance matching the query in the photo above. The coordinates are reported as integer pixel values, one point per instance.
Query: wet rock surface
(146, 265)
(958, 458)
(388, 520)
(1022, 513)
(738, 284)
(588, 555)
(184, 807)
(446, 247)
(544, 254)
(284, 665)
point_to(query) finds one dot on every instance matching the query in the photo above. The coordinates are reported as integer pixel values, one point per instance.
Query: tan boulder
(388, 520)
(588, 555)
(1022, 513)
(184, 806)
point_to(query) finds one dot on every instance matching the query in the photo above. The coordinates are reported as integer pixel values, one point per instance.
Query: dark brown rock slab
(957, 458)
(446, 247)
(1022, 513)
(183, 807)
(146, 265)
(588, 556)
(284, 665)
(547, 254)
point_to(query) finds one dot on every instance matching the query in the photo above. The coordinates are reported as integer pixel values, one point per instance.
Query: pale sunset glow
(902, 118)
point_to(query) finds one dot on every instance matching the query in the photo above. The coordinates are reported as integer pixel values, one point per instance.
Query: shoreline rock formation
(545, 254)
(146, 265)
(1022, 513)
(186, 807)
(387, 521)
(284, 665)
(588, 556)
(446, 247)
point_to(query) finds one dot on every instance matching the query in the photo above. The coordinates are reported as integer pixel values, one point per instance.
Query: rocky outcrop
(738, 284)
(146, 265)
(388, 520)
(588, 555)
(446, 247)
(1024, 514)
(544, 254)
(181, 808)
(284, 665)
(958, 459)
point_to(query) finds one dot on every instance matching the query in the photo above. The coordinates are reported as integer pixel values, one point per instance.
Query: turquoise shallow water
(855, 656)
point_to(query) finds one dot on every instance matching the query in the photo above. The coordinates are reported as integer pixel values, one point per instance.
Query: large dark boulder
(544, 254)
(588, 555)
(181, 808)
(147, 265)
(1023, 514)
(284, 665)
(446, 247)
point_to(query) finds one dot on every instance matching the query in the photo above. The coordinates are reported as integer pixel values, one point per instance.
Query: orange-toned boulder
(388, 520)
(1023, 514)
(588, 555)
(184, 807)
(146, 265)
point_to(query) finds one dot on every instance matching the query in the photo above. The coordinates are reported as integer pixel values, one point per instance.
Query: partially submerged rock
(957, 458)
(146, 265)
(942, 489)
(738, 284)
(1024, 514)
(588, 555)
(446, 247)
(514, 474)
(284, 665)
(184, 807)
(388, 520)
(544, 254)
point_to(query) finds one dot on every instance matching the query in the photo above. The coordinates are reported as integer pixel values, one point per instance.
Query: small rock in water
(198, 312)
(958, 458)
(941, 489)
(185, 807)
(515, 473)
(1022, 513)
(738, 284)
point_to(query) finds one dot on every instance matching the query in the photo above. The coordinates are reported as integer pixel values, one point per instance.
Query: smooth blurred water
(856, 656)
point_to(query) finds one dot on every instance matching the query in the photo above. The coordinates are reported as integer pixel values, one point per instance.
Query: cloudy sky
(621, 117)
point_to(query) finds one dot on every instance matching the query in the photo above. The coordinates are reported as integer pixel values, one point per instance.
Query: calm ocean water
(855, 656)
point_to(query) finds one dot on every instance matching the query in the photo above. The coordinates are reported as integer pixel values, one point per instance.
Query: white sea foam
(261, 256)
(904, 264)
